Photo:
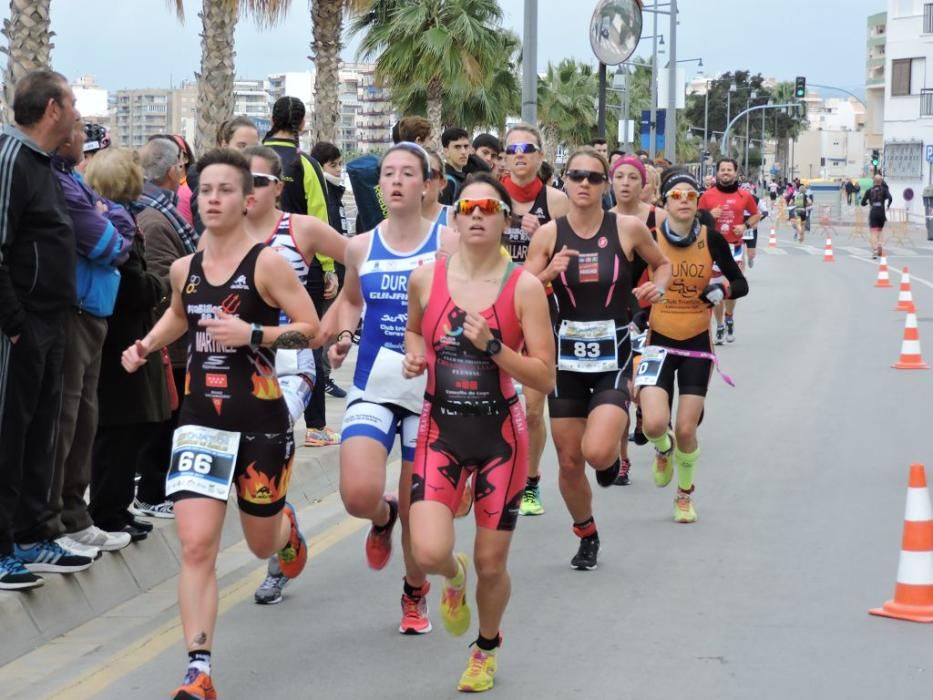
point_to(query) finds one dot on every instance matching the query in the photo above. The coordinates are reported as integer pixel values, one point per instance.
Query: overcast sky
(139, 43)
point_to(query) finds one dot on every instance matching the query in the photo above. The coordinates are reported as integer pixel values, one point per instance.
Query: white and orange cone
(828, 251)
(911, 357)
(883, 279)
(905, 299)
(913, 592)
(772, 239)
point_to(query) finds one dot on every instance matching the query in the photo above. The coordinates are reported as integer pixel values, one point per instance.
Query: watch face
(493, 346)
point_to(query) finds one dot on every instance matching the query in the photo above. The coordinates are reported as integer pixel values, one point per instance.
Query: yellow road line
(93, 682)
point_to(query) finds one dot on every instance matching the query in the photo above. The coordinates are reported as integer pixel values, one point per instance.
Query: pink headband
(635, 163)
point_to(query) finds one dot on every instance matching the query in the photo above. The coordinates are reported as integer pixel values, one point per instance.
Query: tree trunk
(435, 113)
(215, 81)
(551, 138)
(327, 23)
(29, 46)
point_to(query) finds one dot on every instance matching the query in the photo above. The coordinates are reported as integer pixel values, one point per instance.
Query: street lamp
(732, 88)
(748, 103)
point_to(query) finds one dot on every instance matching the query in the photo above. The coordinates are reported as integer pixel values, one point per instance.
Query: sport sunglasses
(689, 195)
(594, 176)
(264, 179)
(486, 205)
(514, 148)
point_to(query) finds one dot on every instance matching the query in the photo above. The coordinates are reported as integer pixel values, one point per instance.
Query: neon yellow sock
(458, 580)
(663, 443)
(685, 462)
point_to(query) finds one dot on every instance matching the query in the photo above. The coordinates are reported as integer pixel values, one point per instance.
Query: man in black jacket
(37, 290)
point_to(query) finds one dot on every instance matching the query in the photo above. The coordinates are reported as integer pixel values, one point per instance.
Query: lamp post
(530, 64)
(748, 103)
(656, 48)
(725, 143)
(671, 126)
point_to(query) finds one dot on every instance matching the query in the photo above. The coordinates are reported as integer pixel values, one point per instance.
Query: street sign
(929, 150)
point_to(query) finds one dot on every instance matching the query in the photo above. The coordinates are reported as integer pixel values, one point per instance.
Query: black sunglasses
(594, 176)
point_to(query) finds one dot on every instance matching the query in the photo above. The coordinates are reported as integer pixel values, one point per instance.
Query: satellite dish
(615, 30)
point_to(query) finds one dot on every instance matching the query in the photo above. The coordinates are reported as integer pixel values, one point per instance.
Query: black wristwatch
(255, 336)
(493, 347)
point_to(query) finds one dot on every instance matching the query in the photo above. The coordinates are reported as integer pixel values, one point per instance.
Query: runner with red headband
(678, 344)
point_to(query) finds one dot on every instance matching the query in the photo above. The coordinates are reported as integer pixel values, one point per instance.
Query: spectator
(601, 146)
(415, 129)
(37, 290)
(487, 148)
(133, 407)
(184, 190)
(95, 140)
(167, 237)
(104, 234)
(237, 133)
(456, 143)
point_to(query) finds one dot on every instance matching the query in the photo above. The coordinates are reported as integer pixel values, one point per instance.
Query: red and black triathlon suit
(595, 288)
(515, 239)
(472, 418)
(236, 389)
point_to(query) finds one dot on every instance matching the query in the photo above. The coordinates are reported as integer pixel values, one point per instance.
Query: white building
(908, 102)
(92, 100)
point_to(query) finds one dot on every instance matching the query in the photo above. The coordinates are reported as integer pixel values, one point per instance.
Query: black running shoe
(607, 477)
(585, 560)
(622, 479)
(332, 389)
(638, 437)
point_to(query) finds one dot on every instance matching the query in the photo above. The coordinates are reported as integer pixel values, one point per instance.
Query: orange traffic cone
(905, 300)
(883, 279)
(910, 347)
(828, 251)
(913, 592)
(772, 239)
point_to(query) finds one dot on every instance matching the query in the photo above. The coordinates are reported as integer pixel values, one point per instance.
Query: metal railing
(928, 18)
(926, 102)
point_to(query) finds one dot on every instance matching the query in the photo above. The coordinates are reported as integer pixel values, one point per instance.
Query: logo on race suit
(215, 381)
(192, 286)
(602, 242)
(214, 362)
(230, 304)
(265, 384)
(259, 489)
(539, 212)
(588, 264)
(218, 405)
(680, 287)
(454, 325)
(240, 283)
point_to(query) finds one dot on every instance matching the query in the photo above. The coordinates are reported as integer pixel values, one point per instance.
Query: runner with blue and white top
(381, 404)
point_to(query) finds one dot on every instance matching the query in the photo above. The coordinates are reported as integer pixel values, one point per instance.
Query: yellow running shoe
(683, 508)
(480, 672)
(664, 465)
(454, 608)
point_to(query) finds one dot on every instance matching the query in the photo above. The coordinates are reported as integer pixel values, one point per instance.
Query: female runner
(588, 257)
(680, 327)
(469, 318)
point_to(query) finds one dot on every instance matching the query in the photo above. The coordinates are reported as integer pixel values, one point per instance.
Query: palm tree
(567, 105)
(215, 80)
(443, 47)
(30, 43)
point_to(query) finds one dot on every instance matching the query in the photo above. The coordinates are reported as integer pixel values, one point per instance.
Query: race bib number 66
(203, 461)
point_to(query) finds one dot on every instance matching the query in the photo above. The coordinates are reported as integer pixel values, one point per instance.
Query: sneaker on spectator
(166, 509)
(16, 577)
(321, 437)
(50, 557)
(136, 534)
(332, 389)
(82, 550)
(93, 536)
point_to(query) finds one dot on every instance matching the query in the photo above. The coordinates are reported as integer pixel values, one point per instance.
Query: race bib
(387, 385)
(587, 346)
(638, 342)
(748, 234)
(738, 249)
(203, 461)
(649, 368)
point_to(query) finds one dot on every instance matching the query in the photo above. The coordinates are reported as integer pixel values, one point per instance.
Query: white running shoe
(166, 509)
(82, 550)
(93, 536)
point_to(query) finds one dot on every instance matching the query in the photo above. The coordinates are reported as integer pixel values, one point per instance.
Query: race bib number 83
(587, 346)
(203, 461)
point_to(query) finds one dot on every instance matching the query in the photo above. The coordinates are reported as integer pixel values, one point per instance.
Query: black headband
(669, 183)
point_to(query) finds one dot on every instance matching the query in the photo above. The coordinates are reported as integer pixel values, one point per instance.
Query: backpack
(800, 201)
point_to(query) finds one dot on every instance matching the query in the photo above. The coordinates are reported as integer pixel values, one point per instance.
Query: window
(903, 160)
(926, 103)
(928, 18)
(900, 77)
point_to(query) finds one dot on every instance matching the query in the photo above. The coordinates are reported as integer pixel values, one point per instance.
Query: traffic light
(800, 87)
(875, 159)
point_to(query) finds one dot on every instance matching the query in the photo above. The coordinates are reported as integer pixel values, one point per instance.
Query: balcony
(928, 18)
(926, 102)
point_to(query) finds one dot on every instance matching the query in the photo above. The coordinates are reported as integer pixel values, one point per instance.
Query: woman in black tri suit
(588, 257)
(228, 298)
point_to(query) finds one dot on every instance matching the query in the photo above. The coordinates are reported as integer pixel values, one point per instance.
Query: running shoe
(415, 618)
(16, 577)
(331, 388)
(607, 477)
(322, 437)
(81, 550)
(294, 555)
(197, 686)
(93, 536)
(624, 467)
(270, 590)
(531, 501)
(730, 331)
(683, 508)
(480, 672)
(664, 465)
(751, 263)
(379, 540)
(585, 558)
(720, 334)
(455, 610)
(50, 557)
(639, 437)
(166, 509)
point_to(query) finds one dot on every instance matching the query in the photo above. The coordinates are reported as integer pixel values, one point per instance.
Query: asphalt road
(800, 496)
